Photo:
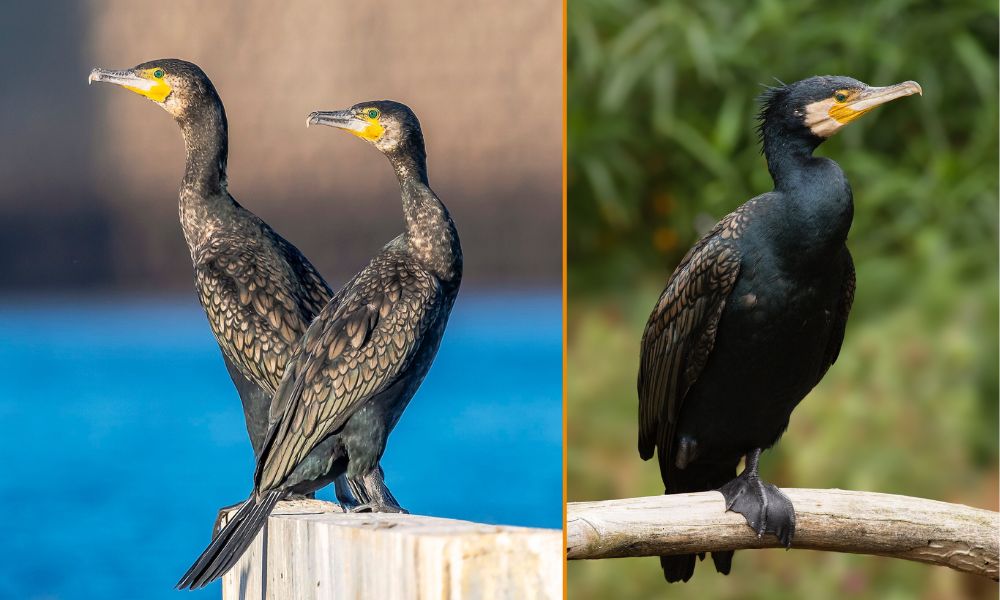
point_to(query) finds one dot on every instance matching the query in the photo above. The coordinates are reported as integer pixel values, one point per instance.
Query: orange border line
(565, 291)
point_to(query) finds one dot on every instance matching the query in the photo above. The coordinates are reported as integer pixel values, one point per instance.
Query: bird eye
(373, 113)
(840, 96)
(158, 73)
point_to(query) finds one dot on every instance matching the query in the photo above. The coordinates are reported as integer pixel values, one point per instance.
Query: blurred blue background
(124, 435)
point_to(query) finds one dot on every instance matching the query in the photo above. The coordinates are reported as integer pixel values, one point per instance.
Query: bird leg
(345, 497)
(764, 506)
(296, 496)
(372, 494)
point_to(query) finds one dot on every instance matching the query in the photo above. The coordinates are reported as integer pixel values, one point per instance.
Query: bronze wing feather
(354, 350)
(681, 330)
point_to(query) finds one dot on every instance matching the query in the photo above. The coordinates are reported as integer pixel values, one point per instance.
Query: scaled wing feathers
(353, 351)
(681, 331)
(257, 309)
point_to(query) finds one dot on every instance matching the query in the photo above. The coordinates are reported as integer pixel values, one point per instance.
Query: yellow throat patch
(825, 117)
(374, 130)
(843, 113)
(157, 89)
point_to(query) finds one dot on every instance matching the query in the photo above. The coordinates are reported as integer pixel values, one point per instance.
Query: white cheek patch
(173, 106)
(357, 125)
(818, 118)
(141, 83)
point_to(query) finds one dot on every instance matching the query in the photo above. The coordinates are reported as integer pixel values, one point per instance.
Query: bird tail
(695, 478)
(678, 568)
(229, 544)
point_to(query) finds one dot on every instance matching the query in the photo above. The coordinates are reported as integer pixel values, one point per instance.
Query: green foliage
(662, 144)
(662, 100)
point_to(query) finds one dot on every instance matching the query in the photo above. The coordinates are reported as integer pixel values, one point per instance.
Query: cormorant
(259, 292)
(365, 355)
(754, 314)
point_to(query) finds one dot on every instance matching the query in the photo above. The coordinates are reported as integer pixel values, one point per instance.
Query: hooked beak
(877, 96)
(825, 117)
(341, 119)
(156, 90)
(122, 78)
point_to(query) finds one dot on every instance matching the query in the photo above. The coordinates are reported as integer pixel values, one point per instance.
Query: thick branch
(953, 535)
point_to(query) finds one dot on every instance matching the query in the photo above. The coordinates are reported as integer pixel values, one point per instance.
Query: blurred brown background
(89, 177)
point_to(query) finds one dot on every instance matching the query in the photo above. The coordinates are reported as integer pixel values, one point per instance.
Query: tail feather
(229, 544)
(723, 561)
(695, 478)
(678, 568)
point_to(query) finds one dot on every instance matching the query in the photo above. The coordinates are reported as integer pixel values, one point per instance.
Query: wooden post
(310, 549)
(963, 538)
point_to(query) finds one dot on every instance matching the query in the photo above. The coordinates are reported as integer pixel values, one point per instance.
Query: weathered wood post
(310, 549)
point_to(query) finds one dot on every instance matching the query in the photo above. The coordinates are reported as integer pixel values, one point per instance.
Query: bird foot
(379, 507)
(309, 496)
(764, 506)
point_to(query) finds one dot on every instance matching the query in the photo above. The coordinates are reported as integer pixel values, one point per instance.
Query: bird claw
(765, 508)
(377, 507)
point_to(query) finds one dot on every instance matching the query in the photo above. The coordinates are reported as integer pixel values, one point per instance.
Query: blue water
(122, 436)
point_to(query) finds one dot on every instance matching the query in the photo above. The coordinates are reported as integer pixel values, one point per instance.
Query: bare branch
(953, 535)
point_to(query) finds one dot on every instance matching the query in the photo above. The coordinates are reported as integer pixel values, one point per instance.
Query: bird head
(178, 86)
(820, 106)
(389, 126)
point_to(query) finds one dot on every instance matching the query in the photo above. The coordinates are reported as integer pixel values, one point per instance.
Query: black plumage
(755, 314)
(362, 359)
(258, 290)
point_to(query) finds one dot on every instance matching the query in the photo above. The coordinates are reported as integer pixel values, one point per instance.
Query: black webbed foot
(764, 506)
(297, 496)
(379, 507)
(372, 495)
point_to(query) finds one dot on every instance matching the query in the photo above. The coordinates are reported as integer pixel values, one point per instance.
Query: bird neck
(409, 161)
(787, 155)
(206, 142)
(430, 233)
(817, 205)
(205, 202)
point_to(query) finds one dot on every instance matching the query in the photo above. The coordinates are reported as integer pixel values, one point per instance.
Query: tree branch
(957, 536)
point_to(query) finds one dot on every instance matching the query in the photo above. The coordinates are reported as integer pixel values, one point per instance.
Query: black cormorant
(259, 292)
(754, 314)
(364, 356)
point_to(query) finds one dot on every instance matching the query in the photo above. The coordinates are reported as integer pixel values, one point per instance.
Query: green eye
(158, 73)
(373, 113)
(840, 96)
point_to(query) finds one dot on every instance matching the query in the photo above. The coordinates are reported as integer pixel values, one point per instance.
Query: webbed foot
(764, 506)
(379, 507)
(309, 496)
(372, 495)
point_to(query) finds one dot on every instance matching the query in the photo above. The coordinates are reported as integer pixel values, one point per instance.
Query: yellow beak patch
(157, 89)
(843, 113)
(371, 132)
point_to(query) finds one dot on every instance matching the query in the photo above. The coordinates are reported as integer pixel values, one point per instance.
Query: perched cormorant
(754, 315)
(365, 355)
(259, 292)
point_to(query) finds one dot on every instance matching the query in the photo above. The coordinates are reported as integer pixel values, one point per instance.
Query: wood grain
(952, 535)
(315, 551)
